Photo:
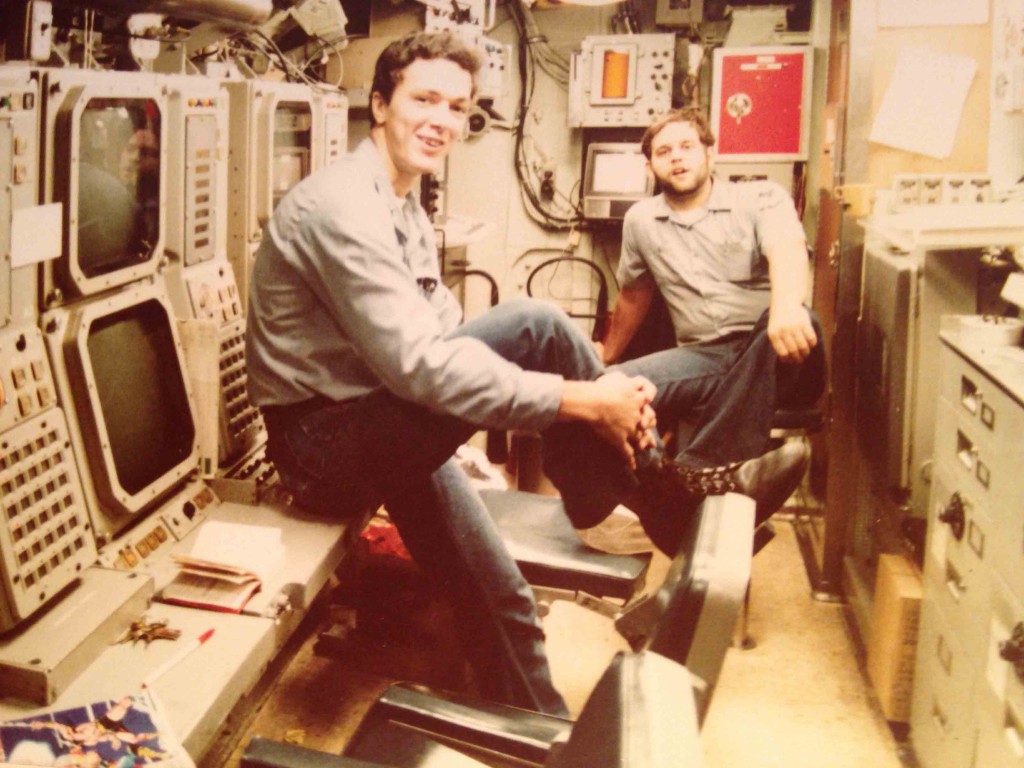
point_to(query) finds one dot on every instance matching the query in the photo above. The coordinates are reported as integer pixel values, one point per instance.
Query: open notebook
(227, 565)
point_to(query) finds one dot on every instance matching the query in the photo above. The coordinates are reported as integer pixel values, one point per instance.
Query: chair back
(691, 617)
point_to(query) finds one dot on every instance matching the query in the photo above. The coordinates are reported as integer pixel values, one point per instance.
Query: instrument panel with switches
(45, 535)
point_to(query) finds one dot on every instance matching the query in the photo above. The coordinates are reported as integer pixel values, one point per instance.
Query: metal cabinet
(968, 703)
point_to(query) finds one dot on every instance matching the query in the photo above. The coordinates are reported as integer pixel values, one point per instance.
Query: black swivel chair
(555, 562)
(645, 711)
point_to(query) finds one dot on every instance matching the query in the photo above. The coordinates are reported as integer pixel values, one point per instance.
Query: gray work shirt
(709, 264)
(346, 297)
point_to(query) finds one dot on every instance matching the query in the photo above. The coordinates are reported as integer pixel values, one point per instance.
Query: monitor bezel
(613, 147)
(632, 51)
(192, 102)
(590, 198)
(111, 507)
(66, 166)
(273, 95)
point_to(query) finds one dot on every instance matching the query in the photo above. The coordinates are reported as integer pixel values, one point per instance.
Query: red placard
(759, 109)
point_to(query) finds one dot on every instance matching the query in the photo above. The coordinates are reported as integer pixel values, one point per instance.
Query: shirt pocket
(734, 260)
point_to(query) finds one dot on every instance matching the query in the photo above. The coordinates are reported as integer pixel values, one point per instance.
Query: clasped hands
(627, 419)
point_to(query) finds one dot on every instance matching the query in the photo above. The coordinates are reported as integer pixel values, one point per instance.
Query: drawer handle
(1012, 650)
(1013, 732)
(953, 515)
(954, 582)
(976, 539)
(970, 397)
(966, 451)
(944, 655)
(955, 588)
(940, 719)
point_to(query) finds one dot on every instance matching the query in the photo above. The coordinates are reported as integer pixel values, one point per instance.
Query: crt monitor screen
(141, 391)
(118, 184)
(619, 172)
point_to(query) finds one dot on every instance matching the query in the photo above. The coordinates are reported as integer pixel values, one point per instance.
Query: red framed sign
(761, 103)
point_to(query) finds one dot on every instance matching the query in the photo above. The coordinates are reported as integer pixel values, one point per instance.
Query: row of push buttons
(42, 510)
(223, 301)
(27, 396)
(131, 555)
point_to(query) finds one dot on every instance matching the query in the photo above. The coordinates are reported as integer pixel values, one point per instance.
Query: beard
(685, 187)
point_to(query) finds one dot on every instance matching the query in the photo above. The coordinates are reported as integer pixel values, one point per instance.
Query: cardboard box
(893, 641)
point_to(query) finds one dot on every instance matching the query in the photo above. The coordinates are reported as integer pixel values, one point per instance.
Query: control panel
(201, 155)
(26, 383)
(159, 532)
(241, 424)
(45, 535)
(213, 294)
(19, 177)
(334, 107)
(621, 80)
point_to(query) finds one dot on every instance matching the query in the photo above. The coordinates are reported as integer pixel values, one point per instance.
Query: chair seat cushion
(550, 554)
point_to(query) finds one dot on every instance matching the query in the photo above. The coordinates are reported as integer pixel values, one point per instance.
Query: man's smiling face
(425, 116)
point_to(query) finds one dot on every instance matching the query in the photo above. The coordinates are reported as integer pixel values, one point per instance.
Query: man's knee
(540, 322)
(537, 312)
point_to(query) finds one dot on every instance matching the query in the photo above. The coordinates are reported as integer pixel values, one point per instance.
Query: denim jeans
(732, 387)
(343, 458)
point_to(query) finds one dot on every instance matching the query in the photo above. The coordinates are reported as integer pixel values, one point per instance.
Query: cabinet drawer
(1000, 711)
(1007, 546)
(979, 465)
(1004, 678)
(956, 564)
(942, 717)
(978, 399)
(1000, 734)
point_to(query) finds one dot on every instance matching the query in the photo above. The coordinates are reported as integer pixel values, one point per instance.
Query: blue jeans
(732, 388)
(344, 458)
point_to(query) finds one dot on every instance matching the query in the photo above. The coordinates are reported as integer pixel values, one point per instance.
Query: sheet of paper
(930, 13)
(36, 234)
(257, 548)
(924, 102)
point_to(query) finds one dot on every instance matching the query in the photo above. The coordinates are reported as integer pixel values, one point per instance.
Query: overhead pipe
(234, 12)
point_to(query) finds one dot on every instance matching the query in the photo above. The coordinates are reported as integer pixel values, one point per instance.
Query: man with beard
(730, 262)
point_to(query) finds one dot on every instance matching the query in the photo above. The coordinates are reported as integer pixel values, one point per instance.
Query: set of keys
(147, 632)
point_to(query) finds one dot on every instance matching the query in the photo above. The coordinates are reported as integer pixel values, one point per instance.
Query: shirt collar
(402, 208)
(721, 198)
(368, 151)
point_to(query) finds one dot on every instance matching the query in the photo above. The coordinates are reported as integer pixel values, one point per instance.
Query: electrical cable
(535, 207)
(478, 273)
(318, 53)
(600, 316)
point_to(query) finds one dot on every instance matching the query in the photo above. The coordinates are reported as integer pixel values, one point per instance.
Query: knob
(1012, 650)
(953, 514)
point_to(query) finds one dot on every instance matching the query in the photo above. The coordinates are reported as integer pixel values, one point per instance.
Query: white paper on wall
(924, 102)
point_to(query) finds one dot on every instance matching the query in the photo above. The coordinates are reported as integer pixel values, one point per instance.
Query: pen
(177, 658)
